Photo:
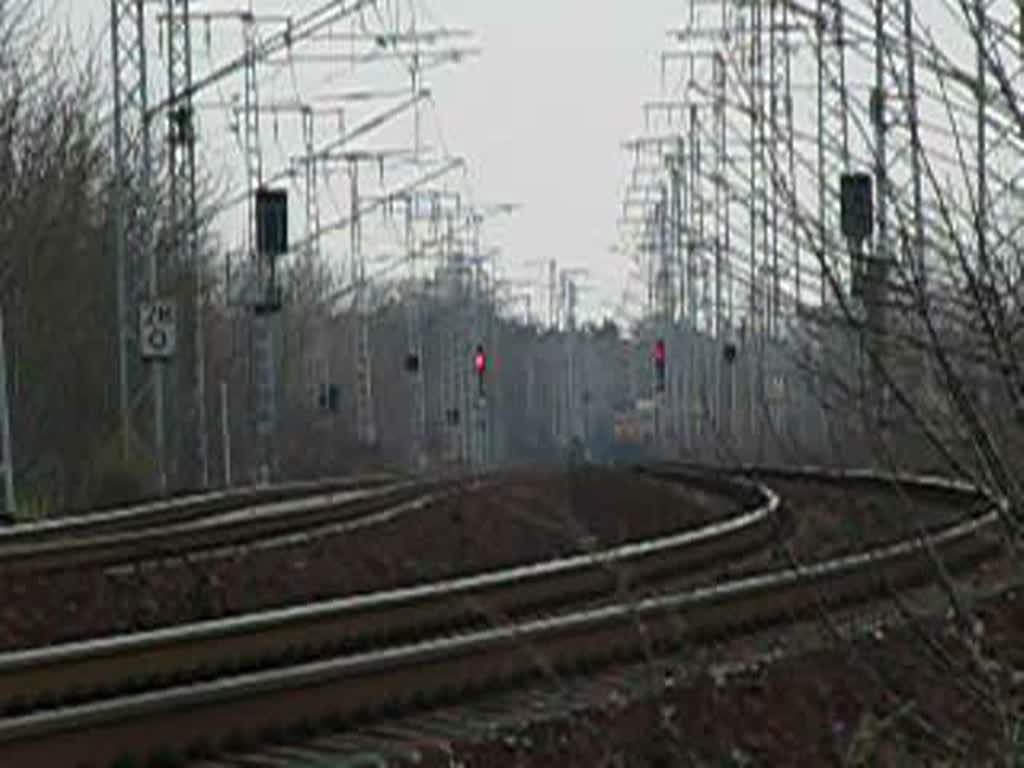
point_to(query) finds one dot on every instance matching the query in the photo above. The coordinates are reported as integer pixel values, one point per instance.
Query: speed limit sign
(158, 329)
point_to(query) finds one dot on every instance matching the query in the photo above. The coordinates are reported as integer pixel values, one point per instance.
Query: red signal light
(480, 363)
(659, 365)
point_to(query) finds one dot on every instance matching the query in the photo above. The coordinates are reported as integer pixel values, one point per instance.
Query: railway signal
(729, 352)
(857, 216)
(659, 365)
(856, 206)
(271, 244)
(480, 365)
(328, 399)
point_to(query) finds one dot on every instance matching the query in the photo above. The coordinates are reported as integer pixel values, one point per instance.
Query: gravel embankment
(529, 516)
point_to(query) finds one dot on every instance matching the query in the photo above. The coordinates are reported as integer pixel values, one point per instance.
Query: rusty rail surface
(331, 691)
(233, 524)
(178, 509)
(204, 649)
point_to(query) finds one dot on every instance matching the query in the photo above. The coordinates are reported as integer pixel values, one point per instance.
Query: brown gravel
(894, 698)
(829, 522)
(527, 516)
(890, 702)
(819, 707)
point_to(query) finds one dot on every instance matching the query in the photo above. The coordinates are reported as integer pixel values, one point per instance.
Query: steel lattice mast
(414, 332)
(251, 136)
(833, 133)
(184, 232)
(366, 425)
(132, 198)
(312, 250)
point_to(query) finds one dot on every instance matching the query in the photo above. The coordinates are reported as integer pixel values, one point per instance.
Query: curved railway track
(206, 649)
(178, 509)
(201, 523)
(348, 684)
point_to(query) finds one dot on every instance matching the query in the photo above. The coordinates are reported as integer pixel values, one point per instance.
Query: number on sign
(157, 329)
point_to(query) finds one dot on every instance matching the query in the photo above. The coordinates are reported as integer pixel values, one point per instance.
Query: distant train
(634, 432)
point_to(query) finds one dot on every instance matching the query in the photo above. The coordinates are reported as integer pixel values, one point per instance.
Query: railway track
(204, 650)
(333, 690)
(201, 523)
(179, 509)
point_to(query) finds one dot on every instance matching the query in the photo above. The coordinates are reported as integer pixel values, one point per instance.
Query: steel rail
(233, 525)
(340, 688)
(234, 643)
(175, 510)
(921, 485)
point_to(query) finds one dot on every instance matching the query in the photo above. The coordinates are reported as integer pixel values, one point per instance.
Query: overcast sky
(544, 112)
(540, 116)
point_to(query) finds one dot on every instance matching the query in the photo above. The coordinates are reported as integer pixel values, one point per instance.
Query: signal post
(659, 390)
